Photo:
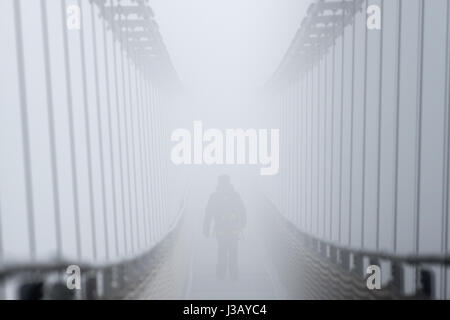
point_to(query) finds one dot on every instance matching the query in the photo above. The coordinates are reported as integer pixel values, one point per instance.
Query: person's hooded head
(224, 183)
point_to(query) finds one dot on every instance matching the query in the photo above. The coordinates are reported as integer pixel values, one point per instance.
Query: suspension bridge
(364, 174)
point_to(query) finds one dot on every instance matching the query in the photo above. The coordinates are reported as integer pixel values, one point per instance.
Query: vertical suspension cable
(164, 103)
(141, 157)
(287, 170)
(141, 150)
(100, 126)
(289, 148)
(325, 134)
(140, 108)
(418, 142)
(156, 164)
(419, 127)
(446, 185)
(288, 153)
(311, 146)
(124, 39)
(352, 116)
(341, 133)
(146, 155)
(363, 186)
(144, 93)
(161, 97)
(308, 154)
(294, 174)
(292, 148)
(283, 148)
(73, 154)
(380, 115)
(164, 152)
(286, 124)
(51, 130)
(165, 99)
(147, 173)
(303, 149)
(110, 16)
(118, 119)
(397, 121)
(154, 161)
(148, 126)
(318, 138)
(333, 89)
(279, 103)
(133, 142)
(299, 149)
(25, 131)
(283, 142)
(155, 149)
(88, 139)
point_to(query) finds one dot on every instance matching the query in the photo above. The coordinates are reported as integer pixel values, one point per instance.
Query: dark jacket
(226, 209)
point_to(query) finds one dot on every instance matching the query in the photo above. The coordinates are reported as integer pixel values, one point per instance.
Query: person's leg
(233, 257)
(221, 257)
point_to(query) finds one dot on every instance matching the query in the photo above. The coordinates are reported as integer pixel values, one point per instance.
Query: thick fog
(111, 135)
(225, 45)
(224, 53)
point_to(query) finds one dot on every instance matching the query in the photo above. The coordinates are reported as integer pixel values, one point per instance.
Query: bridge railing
(84, 88)
(320, 269)
(364, 102)
(112, 280)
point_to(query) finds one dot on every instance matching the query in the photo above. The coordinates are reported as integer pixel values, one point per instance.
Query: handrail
(411, 259)
(352, 265)
(6, 269)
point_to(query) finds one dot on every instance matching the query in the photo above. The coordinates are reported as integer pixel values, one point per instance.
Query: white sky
(227, 42)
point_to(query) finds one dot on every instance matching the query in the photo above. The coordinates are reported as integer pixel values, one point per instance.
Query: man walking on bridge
(226, 209)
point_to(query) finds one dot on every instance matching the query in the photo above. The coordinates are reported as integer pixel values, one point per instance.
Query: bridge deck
(256, 279)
